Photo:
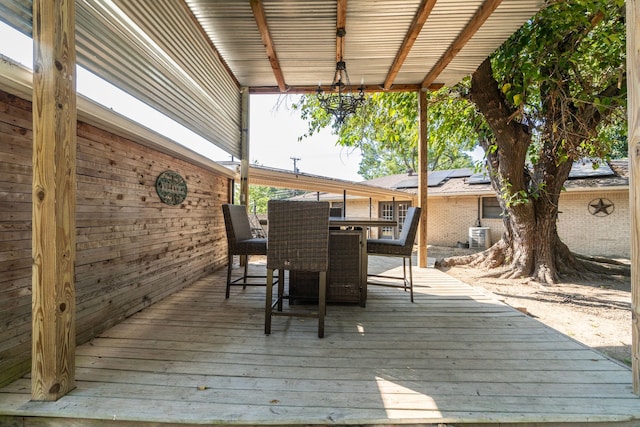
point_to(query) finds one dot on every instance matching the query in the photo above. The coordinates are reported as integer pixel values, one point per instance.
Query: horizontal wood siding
(132, 250)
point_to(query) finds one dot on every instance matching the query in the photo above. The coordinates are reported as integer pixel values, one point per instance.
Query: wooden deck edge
(34, 421)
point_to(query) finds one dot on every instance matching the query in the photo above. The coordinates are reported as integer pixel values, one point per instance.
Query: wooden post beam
(267, 40)
(409, 39)
(244, 148)
(54, 199)
(483, 13)
(341, 25)
(633, 108)
(423, 161)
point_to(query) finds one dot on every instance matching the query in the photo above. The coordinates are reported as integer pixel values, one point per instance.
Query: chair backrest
(236, 222)
(410, 226)
(298, 236)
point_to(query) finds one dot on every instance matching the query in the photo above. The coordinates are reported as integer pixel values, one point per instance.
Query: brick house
(593, 220)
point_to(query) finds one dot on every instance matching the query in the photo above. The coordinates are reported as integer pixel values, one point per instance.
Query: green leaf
(517, 99)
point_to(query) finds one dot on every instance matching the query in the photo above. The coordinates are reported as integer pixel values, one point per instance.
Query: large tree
(549, 95)
(554, 93)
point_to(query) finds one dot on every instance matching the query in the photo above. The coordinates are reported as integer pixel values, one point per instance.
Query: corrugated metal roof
(272, 177)
(189, 58)
(154, 52)
(304, 36)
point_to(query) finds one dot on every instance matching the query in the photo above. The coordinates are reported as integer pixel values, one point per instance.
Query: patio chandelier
(340, 102)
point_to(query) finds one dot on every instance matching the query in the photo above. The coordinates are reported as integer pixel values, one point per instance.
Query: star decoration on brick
(601, 207)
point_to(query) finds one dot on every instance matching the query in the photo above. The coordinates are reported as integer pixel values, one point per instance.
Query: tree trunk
(530, 245)
(566, 100)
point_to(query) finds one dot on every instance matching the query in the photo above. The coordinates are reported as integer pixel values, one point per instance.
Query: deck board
(456, 355)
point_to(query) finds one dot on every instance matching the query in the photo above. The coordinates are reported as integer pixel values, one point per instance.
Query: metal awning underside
(272, 177)
(190, 58)
(456, 34)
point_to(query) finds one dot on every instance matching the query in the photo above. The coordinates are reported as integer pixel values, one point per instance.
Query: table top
(352, 221)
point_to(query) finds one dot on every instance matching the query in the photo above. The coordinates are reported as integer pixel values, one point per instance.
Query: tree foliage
(563, 75)
(555, 92)
(386, 131)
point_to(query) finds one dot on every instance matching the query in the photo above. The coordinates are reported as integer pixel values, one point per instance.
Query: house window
(336, 209)
(396, 211)
(491, 208)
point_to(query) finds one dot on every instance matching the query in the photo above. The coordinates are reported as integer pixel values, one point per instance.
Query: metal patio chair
(400, 247)
(298, 240)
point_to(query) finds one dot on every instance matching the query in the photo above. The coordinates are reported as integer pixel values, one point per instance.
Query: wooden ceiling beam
(341, 24)
(419, 20)
(480, 17)
(261, 20)
(301, 90)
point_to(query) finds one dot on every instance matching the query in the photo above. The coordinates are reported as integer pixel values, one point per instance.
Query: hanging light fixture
(340, 101)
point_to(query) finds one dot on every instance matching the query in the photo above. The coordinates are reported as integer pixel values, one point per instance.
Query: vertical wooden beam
(54, 199)
(423, 160)
(341, 25)
(244, 148)
(633, 108)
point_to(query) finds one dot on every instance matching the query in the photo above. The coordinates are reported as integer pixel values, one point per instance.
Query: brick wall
(595, 235)
(449, 219)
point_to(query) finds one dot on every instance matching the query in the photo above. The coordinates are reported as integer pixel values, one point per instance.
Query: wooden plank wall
(132, 250)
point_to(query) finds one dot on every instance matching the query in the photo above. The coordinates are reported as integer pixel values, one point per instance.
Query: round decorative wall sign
(601, 207)
(171, 187)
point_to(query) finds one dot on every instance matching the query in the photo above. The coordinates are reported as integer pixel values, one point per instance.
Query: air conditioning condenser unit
(479, 237)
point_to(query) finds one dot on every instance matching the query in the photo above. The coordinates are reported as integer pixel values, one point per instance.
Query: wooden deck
(455, 356)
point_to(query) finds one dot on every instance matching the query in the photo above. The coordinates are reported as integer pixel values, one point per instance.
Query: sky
(273, 132)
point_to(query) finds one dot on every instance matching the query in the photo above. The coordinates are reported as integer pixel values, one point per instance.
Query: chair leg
(268, 302)
(246, 271)
(410, 280)
(404, 272)
(229, 264)
(280, 289)
(322, 302)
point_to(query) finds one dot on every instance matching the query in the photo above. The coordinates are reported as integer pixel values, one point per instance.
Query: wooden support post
(54, 199)
(423, 161)
(633, 107)
(244, 147)
(244, 161)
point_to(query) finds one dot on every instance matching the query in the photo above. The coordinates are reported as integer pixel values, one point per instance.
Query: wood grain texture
(131, 250)
(633, 108)
(456, 356)
(423, 161)
(479, 18)
(54, 199)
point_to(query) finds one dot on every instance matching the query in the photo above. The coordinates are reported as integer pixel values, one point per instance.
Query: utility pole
(295, 164)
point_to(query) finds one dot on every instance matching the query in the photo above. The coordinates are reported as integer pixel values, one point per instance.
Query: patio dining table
(347, 275)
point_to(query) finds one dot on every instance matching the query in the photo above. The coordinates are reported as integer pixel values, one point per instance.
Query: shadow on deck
(455, 356)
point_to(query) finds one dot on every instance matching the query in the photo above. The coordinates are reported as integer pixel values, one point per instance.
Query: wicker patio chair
(298, 240)
(240, 241)
(401, 247)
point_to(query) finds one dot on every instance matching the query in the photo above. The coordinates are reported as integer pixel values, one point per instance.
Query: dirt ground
(596, 314)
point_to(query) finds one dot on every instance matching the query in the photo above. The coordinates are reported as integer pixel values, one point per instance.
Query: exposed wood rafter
(483, 13)
(261, 21)
(301, 90)
(341, 23)
(409, 39)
